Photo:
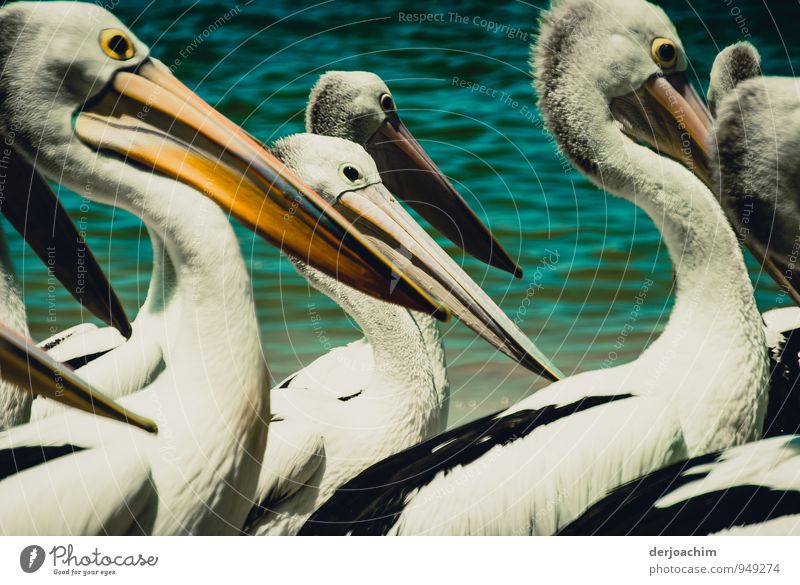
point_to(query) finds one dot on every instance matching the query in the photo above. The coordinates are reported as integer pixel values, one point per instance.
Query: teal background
(258, 67)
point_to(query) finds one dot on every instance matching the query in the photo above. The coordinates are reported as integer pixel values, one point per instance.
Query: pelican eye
(352, 174)
(387, 103)
(664, 53)
(116, 44)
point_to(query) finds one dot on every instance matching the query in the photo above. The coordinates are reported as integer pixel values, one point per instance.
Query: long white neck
(711, 356)
(211, 401)
(213, 396)
(408, 389)
(15, 404)
(201, 292)
(434, 348)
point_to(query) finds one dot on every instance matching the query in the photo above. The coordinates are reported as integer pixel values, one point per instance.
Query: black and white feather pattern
(371, 503)
(747, 489)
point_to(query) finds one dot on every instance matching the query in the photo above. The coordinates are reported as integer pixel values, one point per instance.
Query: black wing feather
(783, 404)
(622, 511)
(17, 460)
(370, 503)
(630, 509)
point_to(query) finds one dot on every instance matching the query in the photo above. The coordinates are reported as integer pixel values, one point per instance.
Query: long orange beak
(668, 114)
(150, 117)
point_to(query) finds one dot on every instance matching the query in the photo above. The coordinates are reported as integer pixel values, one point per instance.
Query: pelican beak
(29, 368)
(667, 114)
(148, 116)
(408, 172)
(47, 228)
(376, 213)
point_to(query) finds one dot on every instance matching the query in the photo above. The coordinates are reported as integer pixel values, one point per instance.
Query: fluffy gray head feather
(346, 104)
(733, 65)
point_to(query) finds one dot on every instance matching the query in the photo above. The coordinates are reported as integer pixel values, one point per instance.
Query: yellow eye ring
(116, 44)
(664, 53)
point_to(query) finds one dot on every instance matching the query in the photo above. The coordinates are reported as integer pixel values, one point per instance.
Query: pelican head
(606, 67)
(733, 65)
(345, 174)
(91, 108)
(358, 106)
(756, 159)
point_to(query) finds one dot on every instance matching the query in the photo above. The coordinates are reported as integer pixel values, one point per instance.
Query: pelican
(97, 113)
(358, 106)
(47, 228)
(756, 161)
(753, 489)
(120, 366)
(609, 75)
(320, 436)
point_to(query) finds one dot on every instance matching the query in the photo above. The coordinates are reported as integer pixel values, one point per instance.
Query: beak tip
(123, 326)
(551, 376)
(548, 371)
(442, 313)
(499, 258)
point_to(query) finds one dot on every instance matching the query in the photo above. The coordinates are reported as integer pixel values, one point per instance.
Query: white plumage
(368, 400)
(700, 386)
(209, 398)
(752, 489)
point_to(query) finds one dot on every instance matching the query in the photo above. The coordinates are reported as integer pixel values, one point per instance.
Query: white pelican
(33, 209)
(136, 360)
(608, 75)
(358, 106)
(756, 162)
(755, 488)
(98, 114)
(751, 489)
(324, 433)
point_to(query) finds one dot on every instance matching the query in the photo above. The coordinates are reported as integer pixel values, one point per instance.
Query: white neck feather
(711, 356)
(201, 292)
(213, 396)
(408, 389)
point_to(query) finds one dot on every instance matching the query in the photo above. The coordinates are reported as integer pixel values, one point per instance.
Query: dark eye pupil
(387, 103)
(666, 52)
(351, 173)
(118, 44)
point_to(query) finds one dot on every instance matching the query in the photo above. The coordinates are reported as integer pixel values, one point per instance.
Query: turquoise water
(587, 255)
